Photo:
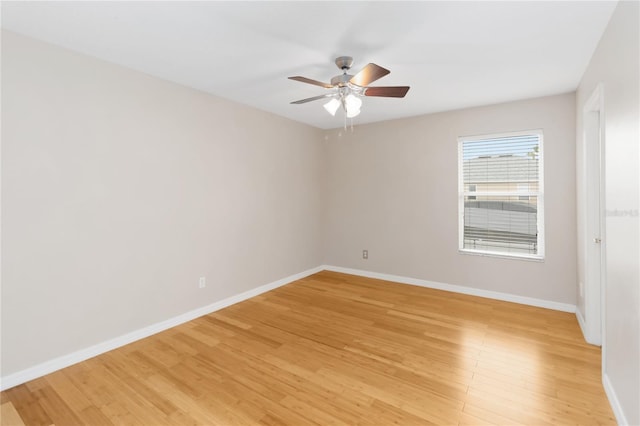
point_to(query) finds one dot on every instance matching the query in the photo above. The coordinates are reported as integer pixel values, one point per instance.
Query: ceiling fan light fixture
(353, 113)
(352, 102)
(332, 106)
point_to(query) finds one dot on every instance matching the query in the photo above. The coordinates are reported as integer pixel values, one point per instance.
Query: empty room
(330, 213)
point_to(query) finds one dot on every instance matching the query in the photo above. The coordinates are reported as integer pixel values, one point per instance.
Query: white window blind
(501, 194)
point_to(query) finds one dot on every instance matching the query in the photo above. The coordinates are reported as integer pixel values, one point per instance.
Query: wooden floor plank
(336, 349)
(9, 416)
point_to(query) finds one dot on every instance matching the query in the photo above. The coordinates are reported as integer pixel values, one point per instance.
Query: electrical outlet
(581, 287)
(202, 283)
(365, 254)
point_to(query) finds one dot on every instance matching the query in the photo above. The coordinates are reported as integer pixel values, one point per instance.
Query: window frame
(540, 255)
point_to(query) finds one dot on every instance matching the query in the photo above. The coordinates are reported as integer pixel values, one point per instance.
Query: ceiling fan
(347, 89)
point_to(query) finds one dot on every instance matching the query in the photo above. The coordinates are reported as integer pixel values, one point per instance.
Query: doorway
(594, 241)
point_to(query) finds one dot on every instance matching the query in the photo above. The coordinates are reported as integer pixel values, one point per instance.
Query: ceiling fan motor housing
(341, 80)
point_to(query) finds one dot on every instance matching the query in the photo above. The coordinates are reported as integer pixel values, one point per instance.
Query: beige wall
(615, 65)
(392, 189)
(120, 190)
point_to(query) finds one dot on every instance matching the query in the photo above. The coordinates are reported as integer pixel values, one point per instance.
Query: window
(501, 194)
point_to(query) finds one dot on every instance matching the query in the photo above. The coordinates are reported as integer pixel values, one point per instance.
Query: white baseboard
(582, 323)
(55, 364)
(585, 330)
(548, 304)
(614, 401)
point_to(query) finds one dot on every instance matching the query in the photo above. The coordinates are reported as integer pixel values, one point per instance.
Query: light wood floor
(336, 349)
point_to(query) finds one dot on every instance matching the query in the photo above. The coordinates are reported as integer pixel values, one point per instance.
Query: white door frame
(594, 229)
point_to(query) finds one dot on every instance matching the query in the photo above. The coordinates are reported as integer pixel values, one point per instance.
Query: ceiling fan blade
(315, 98)
(388, 92)
(310, 81)
(368, 75)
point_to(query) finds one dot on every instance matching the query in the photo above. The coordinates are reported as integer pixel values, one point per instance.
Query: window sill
(530, 258)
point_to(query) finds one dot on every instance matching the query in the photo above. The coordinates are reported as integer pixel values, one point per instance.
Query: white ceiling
(452, 54)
